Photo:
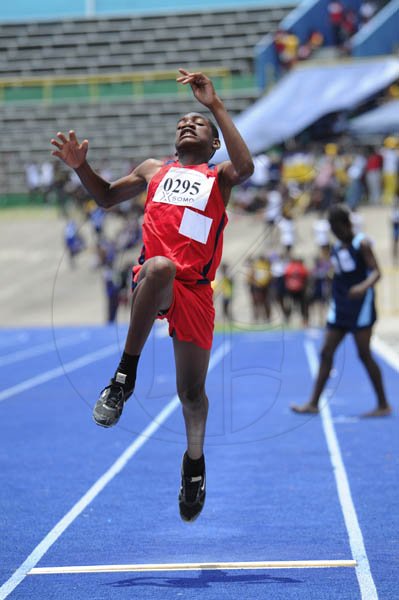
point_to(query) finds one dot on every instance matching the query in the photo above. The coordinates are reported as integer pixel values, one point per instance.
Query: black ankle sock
(193, 467)
(125, 374)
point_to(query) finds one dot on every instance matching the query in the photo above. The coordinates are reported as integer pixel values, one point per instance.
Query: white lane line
(32, 560)
(386, 352)
(42, 348)
(366, 583)
(68, 367)
(215, 566)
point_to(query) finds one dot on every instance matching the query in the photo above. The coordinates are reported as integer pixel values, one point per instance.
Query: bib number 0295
(179, 186)
(184, 187)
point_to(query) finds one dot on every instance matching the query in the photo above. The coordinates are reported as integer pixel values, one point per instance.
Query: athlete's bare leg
(191, 369)
(362, 340)
(332, 339)
(154, 293)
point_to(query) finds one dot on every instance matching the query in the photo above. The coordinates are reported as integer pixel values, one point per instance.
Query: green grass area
(225, 327)
(15, 200)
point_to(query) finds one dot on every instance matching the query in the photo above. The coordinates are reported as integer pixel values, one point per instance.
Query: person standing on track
(182, 246)
(352, 309)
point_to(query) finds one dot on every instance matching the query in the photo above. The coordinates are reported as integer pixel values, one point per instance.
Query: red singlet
(184, 219)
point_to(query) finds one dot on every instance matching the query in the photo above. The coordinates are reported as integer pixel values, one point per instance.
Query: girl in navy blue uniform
(352, 309)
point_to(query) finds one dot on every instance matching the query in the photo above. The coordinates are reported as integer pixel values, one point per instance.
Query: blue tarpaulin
(308, 93)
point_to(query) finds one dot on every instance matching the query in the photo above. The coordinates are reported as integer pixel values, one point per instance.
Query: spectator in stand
(277, 287)
(321, 229)
(225, 286)
(275, 167)
(59, 184)
(46, 178)
(320, 287)
(286, 44)
(356, 172)
(286, 226)
(74, 242)
(250, 285)
(260, 280)
(129, 235)
(125, 291)
(395, 231)
(390, 168)
(325, 183)
(295, 282)
(112, 291)
(273, 211)
(336, 12)
(313, 43)
(367, 11)
(260, 176)
(105, 253)
(33, 183)
(348, 28)
(97, 218)
(373, 176)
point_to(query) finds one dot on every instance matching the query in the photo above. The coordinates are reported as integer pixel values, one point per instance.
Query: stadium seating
(132, 128)
(136, 42)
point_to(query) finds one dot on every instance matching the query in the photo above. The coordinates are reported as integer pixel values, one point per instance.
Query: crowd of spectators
(281, 287)
(301, 179)
(285, 185)
(289, 184)
(111, 240)
(343, 22)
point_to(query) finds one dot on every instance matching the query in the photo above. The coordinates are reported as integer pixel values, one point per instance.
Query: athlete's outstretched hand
(201, 85)
(70, 151)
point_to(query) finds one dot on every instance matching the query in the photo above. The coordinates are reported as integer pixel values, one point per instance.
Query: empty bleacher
(132, 128)
(135, 43)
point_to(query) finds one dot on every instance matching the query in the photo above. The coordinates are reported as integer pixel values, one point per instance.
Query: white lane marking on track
(386, 352)
(366, 583)
(43, 348)
(68, 367)
(212, 566)
(32, 560)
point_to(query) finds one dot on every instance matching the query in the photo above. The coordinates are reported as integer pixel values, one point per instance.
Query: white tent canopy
(307, 94)
(384, 119)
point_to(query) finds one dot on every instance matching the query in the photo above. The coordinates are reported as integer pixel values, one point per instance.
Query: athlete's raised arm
(240, 166)
(105, 193)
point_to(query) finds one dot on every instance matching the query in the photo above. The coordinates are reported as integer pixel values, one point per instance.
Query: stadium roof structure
(308, 93)
(383, 120)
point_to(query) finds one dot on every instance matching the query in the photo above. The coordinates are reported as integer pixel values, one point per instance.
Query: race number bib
(184, 187)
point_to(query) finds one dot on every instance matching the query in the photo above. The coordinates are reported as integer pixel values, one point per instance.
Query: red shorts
(191, 316)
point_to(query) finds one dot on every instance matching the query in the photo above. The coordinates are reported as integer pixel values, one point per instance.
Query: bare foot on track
(304, 409)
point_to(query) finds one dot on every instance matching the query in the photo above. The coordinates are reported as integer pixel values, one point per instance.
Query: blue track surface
(272, 494)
